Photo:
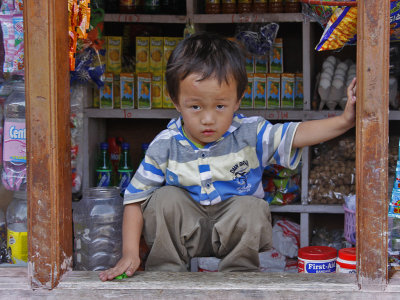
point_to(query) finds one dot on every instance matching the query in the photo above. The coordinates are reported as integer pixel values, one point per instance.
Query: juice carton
(276, 57)
(261, 64)
(144, 90)
(96, 97)
(113, 54)
(157, 90)
(249, 59)
(156, 53)
(117, 94)
(298, 91)
(107, 91)
(273, 91)
(169, 44)
(167, 101)
(287, 90)
(259, 90)
(142, 54)
(127, 84)
(247, 101)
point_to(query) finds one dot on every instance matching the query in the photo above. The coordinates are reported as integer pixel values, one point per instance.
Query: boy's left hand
(349, 113)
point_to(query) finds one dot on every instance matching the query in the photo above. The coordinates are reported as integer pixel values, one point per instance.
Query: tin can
(317, 259)
(346, 262)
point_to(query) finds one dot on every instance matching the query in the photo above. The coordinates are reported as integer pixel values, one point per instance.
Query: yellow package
(298, 91)
(169, 45)
(17, 242)
(157, 90)
(247, 100)
(287, 90)
(273, 91)
(144, 90)
(142, 54)
(167, 101)
(259, 90)
(113, 54)
(107, 91)
(156, 54)
(127, 85)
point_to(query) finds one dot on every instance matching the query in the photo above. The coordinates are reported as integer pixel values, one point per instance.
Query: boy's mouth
(208, 132)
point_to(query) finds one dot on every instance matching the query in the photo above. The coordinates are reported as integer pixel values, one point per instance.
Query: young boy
(198, 192)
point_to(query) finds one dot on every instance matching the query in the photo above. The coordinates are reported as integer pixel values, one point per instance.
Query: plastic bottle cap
(348, 254)
(317, 252)
(125, 146)
(103, 146)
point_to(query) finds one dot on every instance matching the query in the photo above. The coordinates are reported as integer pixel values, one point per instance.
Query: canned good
(317, 259)
(346, 262)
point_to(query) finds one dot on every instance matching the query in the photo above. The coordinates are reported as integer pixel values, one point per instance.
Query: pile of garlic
(334, 79)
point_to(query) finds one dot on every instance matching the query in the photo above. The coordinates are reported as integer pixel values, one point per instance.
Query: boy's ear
(237, 105)
(177, 107)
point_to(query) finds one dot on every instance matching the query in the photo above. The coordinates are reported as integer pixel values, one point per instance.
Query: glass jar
(228, 6)
(244, 6)
(213, 6)
(127, 6)
(292, 6)
(260, 6)
(275, 6)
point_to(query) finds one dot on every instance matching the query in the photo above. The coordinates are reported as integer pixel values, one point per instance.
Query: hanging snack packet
(340, 30)
(318, 13)
(394, 204)
(19, 6)
(18, 60)
(8, 40)
(7, 7)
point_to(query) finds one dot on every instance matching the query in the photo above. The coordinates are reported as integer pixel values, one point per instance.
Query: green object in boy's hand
(122, 276)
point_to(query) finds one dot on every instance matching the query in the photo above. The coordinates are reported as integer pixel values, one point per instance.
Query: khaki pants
(178, 229)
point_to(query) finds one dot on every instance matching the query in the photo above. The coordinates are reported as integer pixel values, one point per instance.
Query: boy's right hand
(126, 264)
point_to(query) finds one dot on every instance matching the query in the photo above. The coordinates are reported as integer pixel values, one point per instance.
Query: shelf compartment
(247, 18)
(142, 18)
(310, 209)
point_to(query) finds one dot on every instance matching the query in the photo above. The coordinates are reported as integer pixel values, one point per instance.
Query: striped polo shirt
(231, 166)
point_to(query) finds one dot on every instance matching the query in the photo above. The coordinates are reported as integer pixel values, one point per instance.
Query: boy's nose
(207, 119)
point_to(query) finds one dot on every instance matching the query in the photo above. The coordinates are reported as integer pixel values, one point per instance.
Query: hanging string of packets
(340, 23)
(394, 204)
(78, 25)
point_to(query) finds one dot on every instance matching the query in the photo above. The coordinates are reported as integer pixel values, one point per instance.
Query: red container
(346, 262)
(317, 259)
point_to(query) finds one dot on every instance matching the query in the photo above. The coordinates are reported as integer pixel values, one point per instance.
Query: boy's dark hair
(207, 54)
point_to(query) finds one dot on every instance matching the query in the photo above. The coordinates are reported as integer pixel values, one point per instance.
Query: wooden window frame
(48, 142)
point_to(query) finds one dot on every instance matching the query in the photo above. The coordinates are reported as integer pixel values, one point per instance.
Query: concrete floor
(158, 285)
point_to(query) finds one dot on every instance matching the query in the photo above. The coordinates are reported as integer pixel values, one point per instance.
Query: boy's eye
(195, 107)
(220, 106)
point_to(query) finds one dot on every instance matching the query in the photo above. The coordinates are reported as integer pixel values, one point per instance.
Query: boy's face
(206, 107)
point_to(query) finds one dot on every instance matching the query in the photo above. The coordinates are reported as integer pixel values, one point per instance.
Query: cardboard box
(144, 90)
(156, 54)
(273, 91)
(113, 54)
(260, 90)
(249, 64)
(298, 91)
(167, 101)
(157, 90)
(276, 57)
(261, 64)
(142, 54)
(287, 90)
(247, 100)
(169, 45)
(107, 91)
(127, 84)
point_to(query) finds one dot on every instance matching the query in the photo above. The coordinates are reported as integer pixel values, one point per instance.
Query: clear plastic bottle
(98, 229)
(17, 228)
(125, 170)
(14, 145)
